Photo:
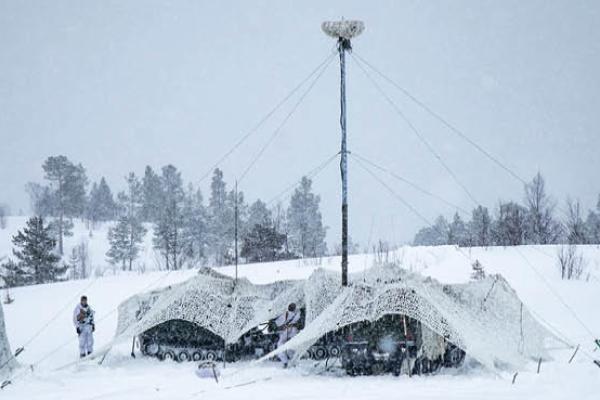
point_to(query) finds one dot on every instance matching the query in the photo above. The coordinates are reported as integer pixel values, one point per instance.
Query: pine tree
(307, 234)
(67, 190)
(42, 199)
(258, 214)
(221, 219)
(35, 253)
(125, 239)
(14, 274)
(168, 230)
(195, 227)
(127, 235)
(263, 243)
(65, 228)
(101, 205)
(480, 227)
(457, 232)
(510, 227)
(242, 213)
(435, 235)
(92, 205)
(152, 196)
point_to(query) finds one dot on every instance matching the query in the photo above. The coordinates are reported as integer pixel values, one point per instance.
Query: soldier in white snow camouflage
(287, 326)
(83, 319)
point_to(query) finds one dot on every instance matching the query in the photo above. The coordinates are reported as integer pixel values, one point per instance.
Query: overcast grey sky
(117, 85)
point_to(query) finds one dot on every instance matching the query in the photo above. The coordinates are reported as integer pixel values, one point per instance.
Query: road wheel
(183, 356)
(197, 356)
(320, 353)
(211, 355)
(334, 351)
(151, 349)
(167, 356)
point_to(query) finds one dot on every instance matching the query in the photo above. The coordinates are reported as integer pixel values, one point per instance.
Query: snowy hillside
(44, 312)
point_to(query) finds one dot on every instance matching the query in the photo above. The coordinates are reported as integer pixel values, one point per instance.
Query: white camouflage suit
(85, 327)
(286, 332)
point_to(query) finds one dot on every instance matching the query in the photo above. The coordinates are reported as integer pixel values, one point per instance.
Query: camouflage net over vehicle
(485, 318)
(210, 300)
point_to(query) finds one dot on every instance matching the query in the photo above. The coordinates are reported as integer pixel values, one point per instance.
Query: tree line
(538, 220)
(186, 230)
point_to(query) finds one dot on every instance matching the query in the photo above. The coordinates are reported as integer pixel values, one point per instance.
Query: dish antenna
(343, 31)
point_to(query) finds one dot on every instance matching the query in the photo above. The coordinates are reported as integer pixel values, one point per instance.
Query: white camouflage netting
(210, 301)
(7, 361)
(485, 318)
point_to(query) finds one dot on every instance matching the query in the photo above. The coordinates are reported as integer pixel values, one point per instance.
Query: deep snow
(124, 378)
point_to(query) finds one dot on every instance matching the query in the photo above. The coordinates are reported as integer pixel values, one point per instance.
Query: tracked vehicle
(182, 341)
(394, 344)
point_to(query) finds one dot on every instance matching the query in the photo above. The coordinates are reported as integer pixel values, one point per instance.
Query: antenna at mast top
(343, 29)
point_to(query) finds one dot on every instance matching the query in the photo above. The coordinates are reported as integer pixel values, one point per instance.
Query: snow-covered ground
(43, 313)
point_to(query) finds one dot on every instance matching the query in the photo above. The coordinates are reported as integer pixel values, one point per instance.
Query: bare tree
(593, 225)
(576, 229)
(542, 226)
(3, 213)
(381, 252)
(79, 260)
(570, 263)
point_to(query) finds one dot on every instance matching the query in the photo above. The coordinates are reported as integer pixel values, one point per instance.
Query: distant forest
(538, 220)
(187, 231)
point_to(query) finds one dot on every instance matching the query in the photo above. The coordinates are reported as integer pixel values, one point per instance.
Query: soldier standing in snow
(287, 326)
(83, 319)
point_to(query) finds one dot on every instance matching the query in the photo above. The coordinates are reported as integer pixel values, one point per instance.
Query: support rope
(437, 116)
(267, 116)
(417, 133)
(283, 122)
(310, 174)
(410, 183)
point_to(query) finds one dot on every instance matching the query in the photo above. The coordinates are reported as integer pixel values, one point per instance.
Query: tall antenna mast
(343, 31)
